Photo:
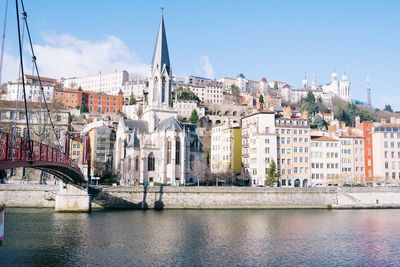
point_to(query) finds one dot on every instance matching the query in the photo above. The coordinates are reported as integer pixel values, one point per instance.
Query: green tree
(388, 108)
(319, 123)
(194, 117)
(272, 174)
(261, 99)
(132, 100)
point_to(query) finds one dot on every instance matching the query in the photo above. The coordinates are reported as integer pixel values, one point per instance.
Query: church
(157, 149)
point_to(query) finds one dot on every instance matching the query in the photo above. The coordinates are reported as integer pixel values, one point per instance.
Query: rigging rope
(3, 40)
(37, 72)
(28, 135)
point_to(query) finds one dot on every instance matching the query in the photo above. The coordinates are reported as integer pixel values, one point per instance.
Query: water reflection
(202, 238)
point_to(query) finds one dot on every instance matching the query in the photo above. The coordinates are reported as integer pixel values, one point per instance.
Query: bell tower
(160, 91)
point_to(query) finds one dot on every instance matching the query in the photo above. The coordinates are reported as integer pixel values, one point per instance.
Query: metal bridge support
(72, 199)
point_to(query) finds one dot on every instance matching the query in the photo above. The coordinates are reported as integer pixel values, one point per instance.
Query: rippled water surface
(40, 237)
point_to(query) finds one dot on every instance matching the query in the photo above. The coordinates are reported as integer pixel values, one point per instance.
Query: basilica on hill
(157, 148)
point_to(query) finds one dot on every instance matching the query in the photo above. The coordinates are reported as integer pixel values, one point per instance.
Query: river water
(40, 237)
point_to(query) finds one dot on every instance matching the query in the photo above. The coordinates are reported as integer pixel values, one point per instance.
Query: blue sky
(280, 40)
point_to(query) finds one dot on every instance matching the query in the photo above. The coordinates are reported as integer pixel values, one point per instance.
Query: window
(178, 151)
(136, 163)
(151, 162)
(169, 152)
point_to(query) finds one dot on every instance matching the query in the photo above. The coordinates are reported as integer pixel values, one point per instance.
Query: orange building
(93, 102)
(367, 129)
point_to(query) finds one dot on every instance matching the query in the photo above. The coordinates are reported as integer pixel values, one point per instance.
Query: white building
(32, 89)
(135, 88)
(209, 94)
(245, 85)
(339, 88)
(352, 159)
(157, 149)
(109, 83)
(259, 147)
(325, 161)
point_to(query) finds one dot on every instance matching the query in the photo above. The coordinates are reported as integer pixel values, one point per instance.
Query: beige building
(258, 145)
(325, 161)
(386, 151)
(293, 151)
(209, 94)
(226, 148)
(352, 159)
(12, 120)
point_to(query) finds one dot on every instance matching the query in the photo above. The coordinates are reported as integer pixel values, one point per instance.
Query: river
(40, 237)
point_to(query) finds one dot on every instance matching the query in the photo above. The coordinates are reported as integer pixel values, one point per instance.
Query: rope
(28, 135)
(3, 40)
(37, 71)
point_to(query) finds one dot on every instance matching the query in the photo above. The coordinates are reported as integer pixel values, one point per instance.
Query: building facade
(325, 162)
(107, 83)
(92, 102)
(293, 151)
(259, 145)
(226, 148)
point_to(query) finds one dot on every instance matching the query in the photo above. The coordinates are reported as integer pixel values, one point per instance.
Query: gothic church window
(151, 162)
(178, 151)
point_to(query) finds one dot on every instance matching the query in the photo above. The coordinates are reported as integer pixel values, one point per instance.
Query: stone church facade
(157, 149)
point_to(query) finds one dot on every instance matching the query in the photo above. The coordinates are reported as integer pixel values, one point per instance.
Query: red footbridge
(17, 152)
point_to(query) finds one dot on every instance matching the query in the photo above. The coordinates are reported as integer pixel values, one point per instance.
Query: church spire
(161, 55)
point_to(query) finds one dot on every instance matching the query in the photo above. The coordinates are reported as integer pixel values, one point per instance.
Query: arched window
(169, 155)
(136, 163)
(163, 90)
(151, 162)
(178, 151)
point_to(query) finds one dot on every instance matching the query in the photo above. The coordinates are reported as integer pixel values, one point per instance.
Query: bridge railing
(16, 148)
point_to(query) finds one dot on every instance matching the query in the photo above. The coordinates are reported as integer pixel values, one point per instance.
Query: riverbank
(42, 196)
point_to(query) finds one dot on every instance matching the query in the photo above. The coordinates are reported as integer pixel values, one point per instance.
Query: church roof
(169, 124)
(137, 125)
(161, 55)
(240, 75)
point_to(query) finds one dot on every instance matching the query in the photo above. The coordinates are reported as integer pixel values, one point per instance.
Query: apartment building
(352, 159)
(386, 150)
(209, 94)
(95, 103)
(325, 161)
(259, 147)
(109, 83)
(367, 130)
(226, 148)
(293, 151)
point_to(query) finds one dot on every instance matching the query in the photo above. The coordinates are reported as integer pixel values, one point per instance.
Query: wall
(209, 197)
(30, 196)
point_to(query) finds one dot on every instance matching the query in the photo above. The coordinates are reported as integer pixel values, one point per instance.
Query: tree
(132, 100)
(272, 174)
(319, 123)
(388, 108)
(261, 99)
(194, 117)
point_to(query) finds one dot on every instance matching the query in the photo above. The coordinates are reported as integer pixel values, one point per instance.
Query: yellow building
(76, 151)
(226, 148)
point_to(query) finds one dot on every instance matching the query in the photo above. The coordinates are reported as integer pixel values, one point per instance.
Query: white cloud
(68, 56)
(204, 66)
(10, 68)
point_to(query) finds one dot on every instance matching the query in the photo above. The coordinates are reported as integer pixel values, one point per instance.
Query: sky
(280, 40)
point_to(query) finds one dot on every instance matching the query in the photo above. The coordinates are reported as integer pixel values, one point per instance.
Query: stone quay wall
(208, 197)
(28, 196)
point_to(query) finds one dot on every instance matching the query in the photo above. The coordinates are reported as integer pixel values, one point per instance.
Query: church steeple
(161, 55)
(160, 87)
